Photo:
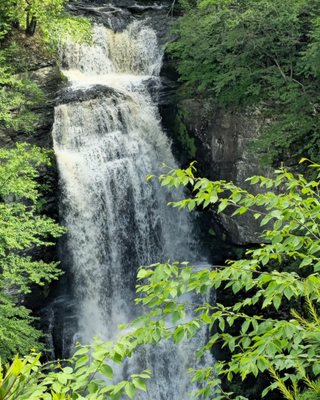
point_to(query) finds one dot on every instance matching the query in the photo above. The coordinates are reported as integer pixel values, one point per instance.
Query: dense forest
(260, 54)
(263, 328)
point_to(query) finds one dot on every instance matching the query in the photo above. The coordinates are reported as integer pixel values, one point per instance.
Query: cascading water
(105, 149)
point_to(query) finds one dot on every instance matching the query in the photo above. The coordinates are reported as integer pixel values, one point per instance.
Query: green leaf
(130, 390)
(139, 384)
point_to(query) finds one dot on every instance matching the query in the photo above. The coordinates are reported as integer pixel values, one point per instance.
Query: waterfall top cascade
(114, 59)
(105, 149)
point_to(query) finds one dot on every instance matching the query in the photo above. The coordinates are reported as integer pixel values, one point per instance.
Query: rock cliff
(223, 140)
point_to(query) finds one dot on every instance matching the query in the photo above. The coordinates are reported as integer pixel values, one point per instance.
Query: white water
(105, 149)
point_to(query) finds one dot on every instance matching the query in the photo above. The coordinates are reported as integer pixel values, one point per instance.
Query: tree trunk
(31, 25)
(16, 24)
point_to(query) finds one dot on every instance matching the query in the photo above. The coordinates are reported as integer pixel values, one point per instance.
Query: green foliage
(270, 340)
(263, 54)
(284, 270)
(187, 142)
(17, 97)
(87, 375)
(46, 16)
(22, 229)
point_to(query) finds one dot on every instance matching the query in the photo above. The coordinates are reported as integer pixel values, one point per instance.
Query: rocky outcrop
(49, 79)
(97, 91)
(223, 140)
(117, 14)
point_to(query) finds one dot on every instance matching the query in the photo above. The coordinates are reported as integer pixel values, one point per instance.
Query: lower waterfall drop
(106, 145)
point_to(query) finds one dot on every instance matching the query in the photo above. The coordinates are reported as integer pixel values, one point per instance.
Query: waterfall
(105, 147)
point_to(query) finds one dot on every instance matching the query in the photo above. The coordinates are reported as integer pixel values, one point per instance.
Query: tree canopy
(48, 24)
(257, 53)
(48, 17)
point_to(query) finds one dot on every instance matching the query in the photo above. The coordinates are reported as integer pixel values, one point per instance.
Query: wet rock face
(48, 77)
(50, 80)
(97, 91)
(224, 139)
(117, 14)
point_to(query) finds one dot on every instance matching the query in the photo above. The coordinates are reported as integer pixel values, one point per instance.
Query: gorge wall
(222, 141)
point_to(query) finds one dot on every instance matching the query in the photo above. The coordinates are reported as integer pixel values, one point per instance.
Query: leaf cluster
(88, 374)
(285, 346)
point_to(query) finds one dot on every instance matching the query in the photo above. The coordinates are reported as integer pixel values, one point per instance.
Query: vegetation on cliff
(30, 31)
(22, 230)
(47, 18)
(262, 54)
